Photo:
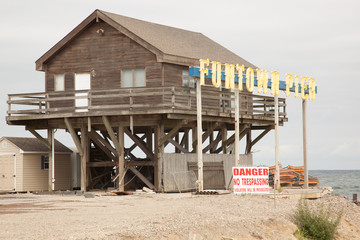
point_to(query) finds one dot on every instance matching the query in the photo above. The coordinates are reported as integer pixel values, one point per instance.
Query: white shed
(24, 165)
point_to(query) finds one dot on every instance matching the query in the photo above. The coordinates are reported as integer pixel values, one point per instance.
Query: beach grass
(315, 223)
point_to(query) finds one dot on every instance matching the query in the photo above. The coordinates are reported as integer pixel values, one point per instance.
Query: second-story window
(59, 82)
(187, 80)
(133, 78)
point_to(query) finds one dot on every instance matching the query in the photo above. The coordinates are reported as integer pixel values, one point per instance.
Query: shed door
(82, 82)
(7, 173)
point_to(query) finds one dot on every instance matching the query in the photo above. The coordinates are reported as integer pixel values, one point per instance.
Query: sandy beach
(160, 216)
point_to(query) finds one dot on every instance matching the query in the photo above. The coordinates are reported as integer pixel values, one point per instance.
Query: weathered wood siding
(105, 56)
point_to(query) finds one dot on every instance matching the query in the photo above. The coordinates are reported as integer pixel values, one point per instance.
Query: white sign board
(251, 179)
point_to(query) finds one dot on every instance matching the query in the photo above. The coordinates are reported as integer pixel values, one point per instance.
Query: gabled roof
(169, 44)
(35, 145)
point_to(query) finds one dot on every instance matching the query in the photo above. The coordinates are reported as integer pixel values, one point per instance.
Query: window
(188, 81)
(133, 78)
(44, 162)
(59, 82)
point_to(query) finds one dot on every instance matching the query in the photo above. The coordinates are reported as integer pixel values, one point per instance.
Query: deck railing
(146, 100)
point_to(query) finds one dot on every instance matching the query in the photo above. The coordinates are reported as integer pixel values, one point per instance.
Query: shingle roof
(35, 145)
(170, 44)
(178, 42)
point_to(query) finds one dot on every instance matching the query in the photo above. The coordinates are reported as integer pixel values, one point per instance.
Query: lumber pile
(291, 176)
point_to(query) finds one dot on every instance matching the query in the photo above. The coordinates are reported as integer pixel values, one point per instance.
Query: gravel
(160, 216)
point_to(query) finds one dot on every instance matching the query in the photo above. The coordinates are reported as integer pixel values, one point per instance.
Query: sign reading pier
(251, 179)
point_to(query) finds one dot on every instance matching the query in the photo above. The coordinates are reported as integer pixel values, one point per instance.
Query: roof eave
(167, 58)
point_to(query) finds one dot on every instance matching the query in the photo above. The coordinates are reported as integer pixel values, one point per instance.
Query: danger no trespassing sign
(251, 179)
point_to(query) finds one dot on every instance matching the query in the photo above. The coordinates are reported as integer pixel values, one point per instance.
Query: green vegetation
(317, 223)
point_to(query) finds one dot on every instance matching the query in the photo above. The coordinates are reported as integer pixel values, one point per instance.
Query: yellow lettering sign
(250, 79)
(203, 70)
(274, 83)
(296, 84)
(229, 76)
(312, 87)
(289, 83)
(303, 87)
(216, 74)
(262, 80)
(240, 70)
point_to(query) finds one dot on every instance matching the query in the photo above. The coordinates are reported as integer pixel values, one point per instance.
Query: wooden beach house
(24, 165)
(115, 78)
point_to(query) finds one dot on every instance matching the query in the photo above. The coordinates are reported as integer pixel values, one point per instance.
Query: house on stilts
(115, 80)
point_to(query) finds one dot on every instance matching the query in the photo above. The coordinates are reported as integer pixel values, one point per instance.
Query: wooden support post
(74, 136)
(237, 126)
(248, 142)
(177, 144)
(132, 124)
(306, 174)
(211, 136)
(224, 138)
(89, 124)
(159, 149)
(121, 171)
(51, 172)
(277, 167)
(199, 136)
(148, 134)
(84, 158)
(194, 138)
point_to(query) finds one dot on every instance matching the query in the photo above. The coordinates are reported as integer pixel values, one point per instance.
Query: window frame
(133, 81)
(44, 162)
(188, 81)
(63, 82)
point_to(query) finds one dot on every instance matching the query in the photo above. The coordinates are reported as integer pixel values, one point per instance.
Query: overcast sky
(319, 39)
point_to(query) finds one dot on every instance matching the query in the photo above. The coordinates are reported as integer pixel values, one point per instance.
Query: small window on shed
(44, 162)
(59, 82)
(133, 78)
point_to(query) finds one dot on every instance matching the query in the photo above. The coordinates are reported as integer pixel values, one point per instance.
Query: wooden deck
(139, 101)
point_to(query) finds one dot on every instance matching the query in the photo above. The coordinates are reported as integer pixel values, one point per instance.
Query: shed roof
(35, 145)
(169, 44)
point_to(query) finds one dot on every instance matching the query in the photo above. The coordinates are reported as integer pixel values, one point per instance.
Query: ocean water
(343, 182)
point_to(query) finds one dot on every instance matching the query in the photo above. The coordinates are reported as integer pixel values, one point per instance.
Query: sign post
(199, 136)
(277, 167)
(237, 140)
(306, 176)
